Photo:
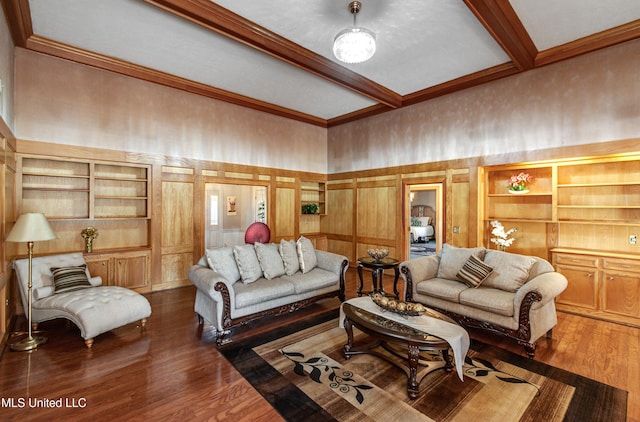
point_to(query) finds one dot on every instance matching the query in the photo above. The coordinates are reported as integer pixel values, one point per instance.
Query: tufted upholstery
(94, 310)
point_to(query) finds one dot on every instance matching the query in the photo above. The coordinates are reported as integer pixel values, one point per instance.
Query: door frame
(421, 185)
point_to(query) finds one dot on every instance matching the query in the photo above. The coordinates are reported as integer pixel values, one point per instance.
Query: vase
(519, 192)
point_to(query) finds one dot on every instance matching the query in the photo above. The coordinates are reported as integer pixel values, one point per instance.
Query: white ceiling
(276, 55)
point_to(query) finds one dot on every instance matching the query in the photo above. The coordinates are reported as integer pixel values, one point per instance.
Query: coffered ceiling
(276, 55)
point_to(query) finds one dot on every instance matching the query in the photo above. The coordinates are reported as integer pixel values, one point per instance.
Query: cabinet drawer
(576, 260)
(621, 264)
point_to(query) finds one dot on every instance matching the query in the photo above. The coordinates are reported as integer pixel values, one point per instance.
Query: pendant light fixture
(354, 45)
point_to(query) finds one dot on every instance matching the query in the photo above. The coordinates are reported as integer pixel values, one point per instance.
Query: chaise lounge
(93, 308)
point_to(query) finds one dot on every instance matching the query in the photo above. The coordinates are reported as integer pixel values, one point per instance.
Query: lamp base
(29, 343)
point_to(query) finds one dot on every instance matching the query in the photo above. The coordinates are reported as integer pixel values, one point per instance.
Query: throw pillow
(248, 263)
(306, 255)
(222, 261)
(270, 260)
(474, 272)
(511, 270)
(289, 254)
(70, 279)
(452, 259)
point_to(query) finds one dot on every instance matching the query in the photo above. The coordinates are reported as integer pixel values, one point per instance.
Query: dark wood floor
(173, 372)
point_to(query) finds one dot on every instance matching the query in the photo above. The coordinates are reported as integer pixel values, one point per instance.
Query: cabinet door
(582, 289)
(622, 293)
(131, 271)
(99, 267)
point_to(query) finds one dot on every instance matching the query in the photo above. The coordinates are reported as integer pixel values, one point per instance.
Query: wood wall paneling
(177, 238)
(460, 214)
(287, 214)
(339, 220)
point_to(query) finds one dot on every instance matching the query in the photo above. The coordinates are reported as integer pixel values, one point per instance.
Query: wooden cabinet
(621, 286)
(582, 273)
(130, 269)
(581, 214)
(602, 285)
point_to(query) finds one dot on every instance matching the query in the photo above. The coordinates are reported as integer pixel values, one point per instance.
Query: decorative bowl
(378, 254)
(398, 306)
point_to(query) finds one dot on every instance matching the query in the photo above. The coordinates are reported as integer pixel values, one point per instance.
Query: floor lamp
(30, 228)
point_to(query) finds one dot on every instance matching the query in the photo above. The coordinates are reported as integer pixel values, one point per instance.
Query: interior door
(213, 215)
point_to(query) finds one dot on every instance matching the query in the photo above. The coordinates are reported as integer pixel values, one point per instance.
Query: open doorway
(229, 210)
(424, 217)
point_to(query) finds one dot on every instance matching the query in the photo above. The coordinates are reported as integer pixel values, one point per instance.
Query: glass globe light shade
(354, 45)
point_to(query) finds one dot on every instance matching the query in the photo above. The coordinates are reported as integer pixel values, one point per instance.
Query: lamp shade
(354, 45)
(31, 227)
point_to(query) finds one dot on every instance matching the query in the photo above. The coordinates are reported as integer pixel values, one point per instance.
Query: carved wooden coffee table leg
(448, 366)
(412, 383)
(348, 327)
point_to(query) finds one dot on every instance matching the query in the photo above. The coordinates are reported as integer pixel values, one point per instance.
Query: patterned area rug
(422, 249)
(304, 376)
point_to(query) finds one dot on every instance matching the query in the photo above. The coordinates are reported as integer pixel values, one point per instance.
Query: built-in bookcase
(75, 194)
(581, 215)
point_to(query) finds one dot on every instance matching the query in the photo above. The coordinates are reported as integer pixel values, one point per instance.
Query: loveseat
(238, 284)
(509, 294)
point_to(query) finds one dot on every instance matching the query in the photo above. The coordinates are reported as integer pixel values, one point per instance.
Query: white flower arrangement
(502, 238)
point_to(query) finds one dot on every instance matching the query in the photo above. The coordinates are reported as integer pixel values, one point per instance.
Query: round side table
(377, 273)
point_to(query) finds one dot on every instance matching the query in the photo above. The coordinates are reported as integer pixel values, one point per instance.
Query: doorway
(229, 210)
(424, 217)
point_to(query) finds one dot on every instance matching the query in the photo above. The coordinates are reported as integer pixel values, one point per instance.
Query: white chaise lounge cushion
(95, 310)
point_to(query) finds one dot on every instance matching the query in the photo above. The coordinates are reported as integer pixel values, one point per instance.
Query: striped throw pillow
(69, 279)
(474, 272)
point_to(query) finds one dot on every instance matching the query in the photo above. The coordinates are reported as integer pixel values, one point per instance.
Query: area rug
(302, 373)
(422, 250)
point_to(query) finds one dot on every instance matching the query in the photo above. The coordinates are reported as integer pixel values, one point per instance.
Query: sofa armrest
(416, 270)
(549, 285)
(211, 283)
(330, 261)
(335, 263)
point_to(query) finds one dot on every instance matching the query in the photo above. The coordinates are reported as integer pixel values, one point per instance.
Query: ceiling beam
(499, 18)
(222, 21)
(18, 16)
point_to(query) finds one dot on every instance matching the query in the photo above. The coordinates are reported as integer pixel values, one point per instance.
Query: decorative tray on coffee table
(398, 306)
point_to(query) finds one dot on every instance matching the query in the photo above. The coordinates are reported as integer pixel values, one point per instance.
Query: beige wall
(66, 103)
(589, 99)
(6, 72)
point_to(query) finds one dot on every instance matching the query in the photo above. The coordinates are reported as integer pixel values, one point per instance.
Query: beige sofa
(509, 294)
(243, 283)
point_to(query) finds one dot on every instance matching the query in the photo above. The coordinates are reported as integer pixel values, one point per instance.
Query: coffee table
(402, 340)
